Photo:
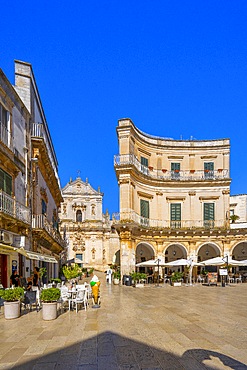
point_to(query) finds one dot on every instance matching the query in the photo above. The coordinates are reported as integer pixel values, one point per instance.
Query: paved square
(189, 327)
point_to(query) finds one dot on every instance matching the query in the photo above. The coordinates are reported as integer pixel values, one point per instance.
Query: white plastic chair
(238, 279)
(81, 298)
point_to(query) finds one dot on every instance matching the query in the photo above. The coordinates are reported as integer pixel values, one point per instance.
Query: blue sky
(177, 68)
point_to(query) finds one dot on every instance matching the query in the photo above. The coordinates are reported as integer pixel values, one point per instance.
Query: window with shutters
(208, 170)
(144, 165)
(4, 118)
(208, 215)
(144, 206)
(175, 215)
(175, 170)
(5, 182)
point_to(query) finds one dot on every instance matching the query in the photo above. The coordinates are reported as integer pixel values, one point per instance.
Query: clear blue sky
(176, 68)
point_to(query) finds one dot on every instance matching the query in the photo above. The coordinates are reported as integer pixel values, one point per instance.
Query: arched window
(78, 216)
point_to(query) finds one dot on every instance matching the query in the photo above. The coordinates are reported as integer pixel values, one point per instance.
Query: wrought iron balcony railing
(39, 131)
(5, 136)
(40, 222)
(129, 216)
(165, 175)
(11, 207)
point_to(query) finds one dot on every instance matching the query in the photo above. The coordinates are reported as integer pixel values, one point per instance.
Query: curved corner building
(174, 198)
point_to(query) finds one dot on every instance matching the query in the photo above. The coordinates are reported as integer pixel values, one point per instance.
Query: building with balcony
(174, 198)
(30, 192)
(15, 216)
(91, 238)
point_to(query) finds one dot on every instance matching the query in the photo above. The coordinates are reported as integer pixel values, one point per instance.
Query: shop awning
(40, 257)
(4, 248)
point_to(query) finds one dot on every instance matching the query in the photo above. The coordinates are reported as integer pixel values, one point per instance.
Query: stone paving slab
(188, 327)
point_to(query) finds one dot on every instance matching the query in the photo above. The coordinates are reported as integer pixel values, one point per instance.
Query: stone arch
(207, 250)
(144, 252)
(175, 251)
(239, 250)
(116, 258)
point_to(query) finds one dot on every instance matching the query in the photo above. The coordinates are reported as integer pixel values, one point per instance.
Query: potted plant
(12, 298)
(71, 272)
(234, 218)
(138, 278)
(42, 274)
(49, 298)
(116, 277)
(176, 278)
(55, 281)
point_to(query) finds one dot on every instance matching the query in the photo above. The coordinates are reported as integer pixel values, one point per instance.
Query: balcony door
(144, 165)
(208, 215)
(175, 215)
(5, 182)
(175, 171)
(209, 170)
(144, 207)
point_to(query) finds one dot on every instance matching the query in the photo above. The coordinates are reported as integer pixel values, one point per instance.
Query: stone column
(127, 253)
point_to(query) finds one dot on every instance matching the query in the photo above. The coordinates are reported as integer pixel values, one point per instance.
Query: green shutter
(175, 212)
(209, 166)
(175, 215)
(208, 211)
(144, 161)
(5, 182)
(208, 215)
(144, 208)
(175, 166)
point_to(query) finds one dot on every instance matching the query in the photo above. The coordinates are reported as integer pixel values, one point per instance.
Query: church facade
(90, 236)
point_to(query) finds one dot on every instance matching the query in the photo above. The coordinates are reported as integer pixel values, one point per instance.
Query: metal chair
(30, 299)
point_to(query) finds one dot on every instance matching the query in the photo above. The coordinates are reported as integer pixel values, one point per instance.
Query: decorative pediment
(79, 187)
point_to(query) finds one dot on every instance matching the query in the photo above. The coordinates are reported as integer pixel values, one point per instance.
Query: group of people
(32, 281)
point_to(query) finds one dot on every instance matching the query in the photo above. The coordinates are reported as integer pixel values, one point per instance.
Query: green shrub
(138, 276)
(55, 280)
(176, 276)
(71, 272)
(50, 295)
(12, 295)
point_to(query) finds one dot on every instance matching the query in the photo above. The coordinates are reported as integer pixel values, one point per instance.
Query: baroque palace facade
(30, 192)
(174, 199)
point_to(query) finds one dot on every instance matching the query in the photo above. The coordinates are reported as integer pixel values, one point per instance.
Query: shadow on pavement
(111, 351)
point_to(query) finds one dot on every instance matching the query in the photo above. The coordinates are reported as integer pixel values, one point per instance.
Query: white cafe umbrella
(74, 260)
(185, 262)
(151, 263)
(220, 261)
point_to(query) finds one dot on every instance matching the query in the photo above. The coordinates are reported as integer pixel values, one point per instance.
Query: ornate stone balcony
(129, 216)
(121, 161)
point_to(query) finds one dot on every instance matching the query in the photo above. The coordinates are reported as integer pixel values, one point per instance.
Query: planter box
(49, 311)
(177, 283)
(116, 281)
(12, 310)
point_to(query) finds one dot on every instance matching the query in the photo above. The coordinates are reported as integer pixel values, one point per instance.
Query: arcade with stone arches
(145, 251)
